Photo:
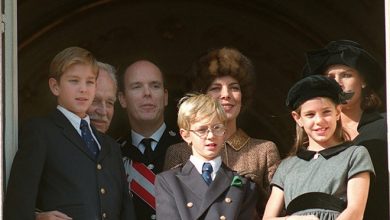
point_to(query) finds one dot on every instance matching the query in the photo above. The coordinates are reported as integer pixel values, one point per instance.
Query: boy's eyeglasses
(217, 130)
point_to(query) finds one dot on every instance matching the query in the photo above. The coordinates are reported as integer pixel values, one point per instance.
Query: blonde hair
(69, 57)
(194, 107)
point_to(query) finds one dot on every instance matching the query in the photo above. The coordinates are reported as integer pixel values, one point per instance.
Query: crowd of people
(67, 167)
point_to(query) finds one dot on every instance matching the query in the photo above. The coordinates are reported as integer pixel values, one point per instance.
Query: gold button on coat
(102, 191)
(190, 204)
(99, 167)
(228, 200)
(104, 215)
(222, 217)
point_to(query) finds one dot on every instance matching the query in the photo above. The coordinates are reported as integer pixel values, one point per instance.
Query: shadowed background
(274, 34)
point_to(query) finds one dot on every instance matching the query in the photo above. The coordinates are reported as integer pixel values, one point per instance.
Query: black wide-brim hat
(347, 53)
(312, 87)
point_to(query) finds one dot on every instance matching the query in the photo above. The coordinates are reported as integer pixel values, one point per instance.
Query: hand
(52, 215)
(302, 217)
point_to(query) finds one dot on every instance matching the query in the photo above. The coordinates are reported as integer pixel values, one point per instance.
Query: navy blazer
(182, 194)
(53, 170)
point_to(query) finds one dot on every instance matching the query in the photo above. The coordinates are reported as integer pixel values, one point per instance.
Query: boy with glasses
(203, 187)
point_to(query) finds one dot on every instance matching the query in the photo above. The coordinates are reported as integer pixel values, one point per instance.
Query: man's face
(102, 108)
(144, 95)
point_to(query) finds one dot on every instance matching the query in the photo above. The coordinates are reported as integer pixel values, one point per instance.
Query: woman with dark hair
(227, 75)
(358, 73)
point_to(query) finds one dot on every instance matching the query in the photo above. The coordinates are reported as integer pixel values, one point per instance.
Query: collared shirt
(156, 136)
(215, 163)
(76, 121)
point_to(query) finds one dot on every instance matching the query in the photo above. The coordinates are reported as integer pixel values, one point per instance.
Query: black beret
(311, 87)
(347, 53)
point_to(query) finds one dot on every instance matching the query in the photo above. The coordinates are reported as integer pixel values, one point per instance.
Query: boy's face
(208, 146)
(76, 88)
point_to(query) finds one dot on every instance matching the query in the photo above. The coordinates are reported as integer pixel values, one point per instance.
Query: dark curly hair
(222, 62)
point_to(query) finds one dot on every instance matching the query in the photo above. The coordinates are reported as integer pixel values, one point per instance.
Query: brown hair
(69, 57)
(370, 99)
(223, 62)
(302, 139)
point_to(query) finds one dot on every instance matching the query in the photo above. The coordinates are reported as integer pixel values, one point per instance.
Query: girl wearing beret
(227, 75)
(327, 177)
(359, 73)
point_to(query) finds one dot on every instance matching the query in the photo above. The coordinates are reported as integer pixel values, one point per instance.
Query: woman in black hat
(359, 73)
(327, 177)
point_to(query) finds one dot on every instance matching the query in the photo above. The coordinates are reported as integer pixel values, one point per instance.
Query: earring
(363, 86)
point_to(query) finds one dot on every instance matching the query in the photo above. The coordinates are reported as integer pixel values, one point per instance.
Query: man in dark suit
(63, 164)
(204, 188)
(143, 95)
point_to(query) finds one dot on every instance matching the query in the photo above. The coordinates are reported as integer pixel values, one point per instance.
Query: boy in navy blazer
(63, 165)
(203, 188)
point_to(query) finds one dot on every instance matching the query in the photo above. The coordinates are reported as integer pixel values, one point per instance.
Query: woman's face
(227, 91)
(350, 81)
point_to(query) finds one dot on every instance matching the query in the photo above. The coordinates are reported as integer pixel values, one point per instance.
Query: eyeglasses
(217, 130)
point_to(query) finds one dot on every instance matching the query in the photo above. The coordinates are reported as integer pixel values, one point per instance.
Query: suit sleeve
(177, 154)
(273, 160)
(25, 176)
(165, 202)
(127, 210)
(168, 161)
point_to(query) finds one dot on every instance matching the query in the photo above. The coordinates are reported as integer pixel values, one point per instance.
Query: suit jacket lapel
(220, 184)
(70, 132)
(162, 145)
(191, 178)
(131, 151)
(168, 138)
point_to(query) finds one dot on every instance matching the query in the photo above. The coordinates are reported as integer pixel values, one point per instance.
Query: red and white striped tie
(141, 181)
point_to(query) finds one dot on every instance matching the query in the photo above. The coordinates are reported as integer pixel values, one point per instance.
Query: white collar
(136, 138)
(73, 118)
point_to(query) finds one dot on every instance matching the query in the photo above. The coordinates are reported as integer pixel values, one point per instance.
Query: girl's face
(206, 137)
(350, 81)
(318, 117)
(227, 90)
